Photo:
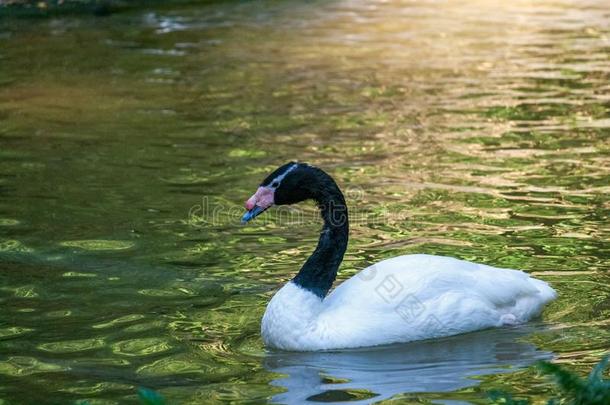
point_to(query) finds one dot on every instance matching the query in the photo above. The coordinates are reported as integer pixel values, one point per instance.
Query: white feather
(403, 299)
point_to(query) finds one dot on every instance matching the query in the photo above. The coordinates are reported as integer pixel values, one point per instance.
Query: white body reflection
(440, 365)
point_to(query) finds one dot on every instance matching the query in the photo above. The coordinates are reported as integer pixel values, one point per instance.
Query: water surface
(475, 129)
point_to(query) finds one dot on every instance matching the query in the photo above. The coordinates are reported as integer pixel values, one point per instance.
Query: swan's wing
(428, 277)
(422, 296)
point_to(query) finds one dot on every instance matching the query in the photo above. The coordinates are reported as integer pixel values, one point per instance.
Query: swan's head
(288, 184)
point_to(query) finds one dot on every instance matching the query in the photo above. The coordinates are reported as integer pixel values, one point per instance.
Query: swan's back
(416, 297)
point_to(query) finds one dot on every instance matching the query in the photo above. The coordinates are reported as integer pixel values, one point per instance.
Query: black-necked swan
(402, 299)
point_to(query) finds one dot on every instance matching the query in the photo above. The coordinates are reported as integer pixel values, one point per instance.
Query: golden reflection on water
(473, 129)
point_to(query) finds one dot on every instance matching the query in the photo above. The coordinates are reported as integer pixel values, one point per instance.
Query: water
(473, 129)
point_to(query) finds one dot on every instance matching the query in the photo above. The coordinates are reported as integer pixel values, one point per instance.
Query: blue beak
(254, 212)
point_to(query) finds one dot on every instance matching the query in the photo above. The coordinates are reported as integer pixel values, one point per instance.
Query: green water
(476, 129)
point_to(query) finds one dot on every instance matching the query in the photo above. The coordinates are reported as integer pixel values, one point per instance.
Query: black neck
(320, 270)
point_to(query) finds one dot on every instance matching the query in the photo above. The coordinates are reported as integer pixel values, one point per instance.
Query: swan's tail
(547, 294)
(531, 305)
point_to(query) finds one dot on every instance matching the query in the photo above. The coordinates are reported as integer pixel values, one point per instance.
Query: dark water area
(128, 143)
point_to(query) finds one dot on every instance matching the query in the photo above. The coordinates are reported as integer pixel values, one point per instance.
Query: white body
(403, 299)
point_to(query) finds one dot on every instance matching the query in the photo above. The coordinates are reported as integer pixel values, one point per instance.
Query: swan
(402, 299)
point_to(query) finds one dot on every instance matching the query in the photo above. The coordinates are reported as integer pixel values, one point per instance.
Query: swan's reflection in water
(370, 375)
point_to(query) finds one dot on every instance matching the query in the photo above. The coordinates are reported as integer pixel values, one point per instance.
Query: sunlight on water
(474, 129)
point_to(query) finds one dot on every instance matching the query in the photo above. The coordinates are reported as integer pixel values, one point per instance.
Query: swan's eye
(275, 184)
